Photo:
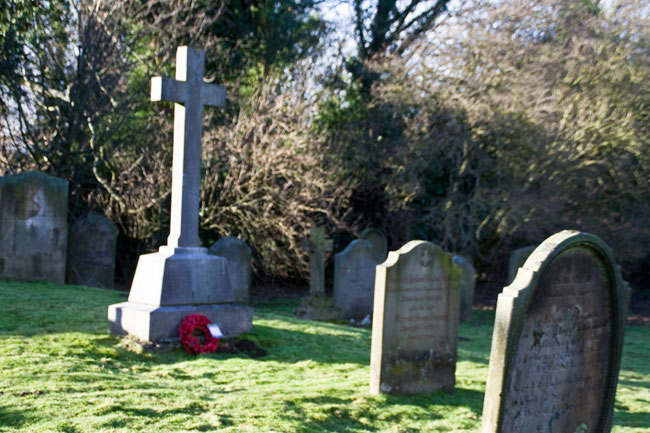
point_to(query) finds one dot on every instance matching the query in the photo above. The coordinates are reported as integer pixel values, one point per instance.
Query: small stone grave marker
(33, 227)
(557, 341)
(238, 254)
(467, 284)
(415, 321)
(354, 279)
(317, 246)
(517, 259)
(378, 240)
(317, 306)
(91, 252)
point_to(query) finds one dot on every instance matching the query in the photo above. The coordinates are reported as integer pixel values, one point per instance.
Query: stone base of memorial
(317, 307)
(173, 283)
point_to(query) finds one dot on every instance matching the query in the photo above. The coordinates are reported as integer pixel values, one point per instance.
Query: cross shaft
(190, 94)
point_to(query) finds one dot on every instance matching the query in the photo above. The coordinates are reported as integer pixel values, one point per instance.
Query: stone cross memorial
(415, 321)
(317, 306)
(33, 227)
(317, 245)
(182, 278)
(557, 341)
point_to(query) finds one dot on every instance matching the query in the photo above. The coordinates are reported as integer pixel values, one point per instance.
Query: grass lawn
(60, 371)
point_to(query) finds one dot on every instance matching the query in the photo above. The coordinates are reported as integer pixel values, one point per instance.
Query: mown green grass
(60, 371)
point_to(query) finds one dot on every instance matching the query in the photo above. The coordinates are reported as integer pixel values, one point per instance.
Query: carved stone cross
(317, 245)
(190, 94)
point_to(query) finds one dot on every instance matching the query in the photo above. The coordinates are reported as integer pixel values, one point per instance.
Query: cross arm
(213, 95)
(166, 89)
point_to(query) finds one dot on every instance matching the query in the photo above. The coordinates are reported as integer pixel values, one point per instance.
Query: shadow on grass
(293, 346)
(347, 415)
(29, 309)
(124, 415)
(10, 417)
(624, 418)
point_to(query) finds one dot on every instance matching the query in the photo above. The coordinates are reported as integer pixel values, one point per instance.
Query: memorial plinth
(182, 278)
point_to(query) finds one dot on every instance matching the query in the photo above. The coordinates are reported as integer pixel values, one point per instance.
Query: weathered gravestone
(354, 279)
(33, 227)
(317, 245)
(467, 284)
(238, 254)
(378, 240)
(517, 259)
(317, 306)
(182, 278)
(91, 252)
(415, 321)
(557, 341)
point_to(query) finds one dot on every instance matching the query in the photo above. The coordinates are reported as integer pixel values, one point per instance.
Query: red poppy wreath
(191, 344)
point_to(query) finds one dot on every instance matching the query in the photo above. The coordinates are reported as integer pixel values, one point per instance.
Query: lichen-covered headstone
(415, 321)
(354, 279)
(517, 259)
(378, 240)
(33, 227)
(239, 255)
(317, 305)
(557, 341)
(91, 252)
(467, 284)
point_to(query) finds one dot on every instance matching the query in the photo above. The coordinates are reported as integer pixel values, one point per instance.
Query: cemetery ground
(61, 371)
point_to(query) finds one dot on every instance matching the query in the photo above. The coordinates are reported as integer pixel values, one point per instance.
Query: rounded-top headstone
(354, 279)
(415, 321)
(239, 255)
(33, 227)
(467, 284)
(91, 252)
(517, 259)
(557, 341)
(378, 240)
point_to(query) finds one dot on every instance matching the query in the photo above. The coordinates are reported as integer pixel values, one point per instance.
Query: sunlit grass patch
(63, 372)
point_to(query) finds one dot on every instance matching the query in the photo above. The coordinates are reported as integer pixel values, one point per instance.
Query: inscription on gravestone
(557, 341)
(415, 321)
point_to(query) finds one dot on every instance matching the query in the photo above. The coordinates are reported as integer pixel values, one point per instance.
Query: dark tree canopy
(394, 25)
